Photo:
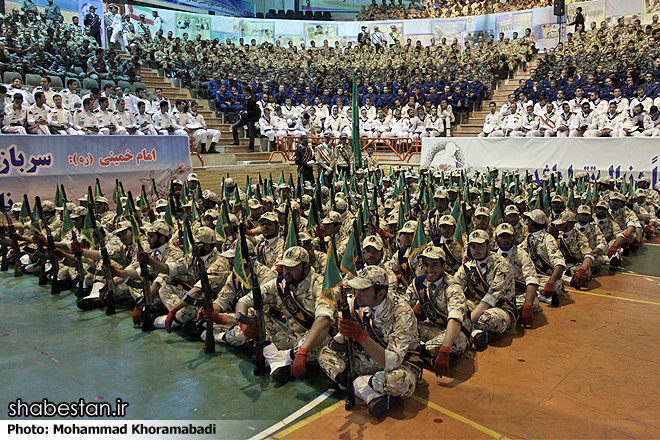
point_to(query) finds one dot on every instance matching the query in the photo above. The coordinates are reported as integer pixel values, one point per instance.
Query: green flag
(460, 233)
(332, 276)
(67, 223)
(281, 181)
(24, 215)
(349, 260)
(35, 224)
(355, 133)
(88, 228)
(313, 218)
(58, 197)
(183, 198)
(194, 216)
(220, 223)
(154, 190)
(419, 240)
(143, 199)
(97, 189)
(570, 203)
(240, 260)
(292, 233)
(402, 218)
(168, 219)
(187, 245)
(496, 216)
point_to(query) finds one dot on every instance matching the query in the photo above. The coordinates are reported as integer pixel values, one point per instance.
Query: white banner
(613, 156)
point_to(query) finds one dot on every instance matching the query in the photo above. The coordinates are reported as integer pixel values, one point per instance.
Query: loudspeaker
(559, 7)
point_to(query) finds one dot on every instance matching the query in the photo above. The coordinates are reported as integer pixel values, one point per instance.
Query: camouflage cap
(441, 194)
(17, 206)
(177, 182)
(205, 235)
(283, 185)
(433, 252)
(408, 227)
(101, 199)
(605, 179)
(359, 171)
(79, 211)
(210, 195)
(452, 189)
(557, 198)
(638, 193)
(569, 216)
(122, 226)
(267, 199)
(159, 227)
(537, 216)
(644, 179)
(478, 236)
(482, 210)
(211, 213)
(192, 177)
(294, 256)
(602, 204)
(520, 200)
(254, 204)
(230, 183)
(504, 228)
(373, 241)
(369, 276)
(233, 220)
(447, 220)
(269, 217)
(511, 209)
(617, 196)
(341, 204)
(69, 205)
(333, 217)
(584, 209)
(476, 191)
(48, 206)
(231, 252)
(304, 237)
(161, 203)
(306, 199)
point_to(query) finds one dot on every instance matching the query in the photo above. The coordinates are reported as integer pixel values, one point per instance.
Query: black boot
(212, 148)
(379, 406)
(282, 375)
(202, 148)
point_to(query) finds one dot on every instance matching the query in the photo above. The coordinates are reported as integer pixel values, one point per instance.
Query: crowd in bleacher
(396, 10)
(601, 82)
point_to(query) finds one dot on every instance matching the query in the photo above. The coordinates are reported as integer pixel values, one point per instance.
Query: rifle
(350, 349)
(99, 236)
(209, 342)
(147, 316)
(259, 359)
(51, 247)
(18, 269)
(3, 247)
(38, 256)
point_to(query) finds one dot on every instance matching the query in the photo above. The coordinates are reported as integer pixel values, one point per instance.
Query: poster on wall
(649, 9)
(295, 40)
(449, 29)
(547, 35)
(93, 18)
(592, 11)
(192, 25)
(334, 5)
(389, 31)
(258, 30)
(320, 32)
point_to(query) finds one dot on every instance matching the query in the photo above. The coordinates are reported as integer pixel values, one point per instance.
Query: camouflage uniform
(520, 233)
(524, 272)
(575, 248)
(596, 241)
(447, 298)
(545, 247)
(393, 325)
(269, 251)
(500, 296)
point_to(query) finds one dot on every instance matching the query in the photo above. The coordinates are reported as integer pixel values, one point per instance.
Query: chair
(290, 14)
(33, 80)
(260, 15)
(8, 77)
(272, 11)
(105, 82)
(66, 81)
(78, 70)
(125, 85)
(89, 83)
(309, 15)
(84, 92)
(299, 15)
(327, 15)
(56, 82)
(280, 13)
(318, 15)
(139, 85)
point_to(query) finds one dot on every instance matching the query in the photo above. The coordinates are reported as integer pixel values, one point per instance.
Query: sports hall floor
(588, 369)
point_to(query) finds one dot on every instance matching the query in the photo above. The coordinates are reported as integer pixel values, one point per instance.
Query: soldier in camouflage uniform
(548, 259)
(308, 315)
(627, 221)
(512, 216)
(399, 264)
(594, 236)
(611, 231)
(575, 248)
(226, 328)
(176, 277)
(162, 251)
(487, 279)
(453, 250)
(441, 310)
(269, 244)
(387, 362)
(524, 273)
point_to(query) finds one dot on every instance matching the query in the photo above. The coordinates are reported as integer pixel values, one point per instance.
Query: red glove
(627, 237)
(399, 277)
(636, 244)
(75, 248)
(549, 289)
(612, 250)
(20, 237)
(211, 315)
(249, 331)
(383, 233)
(151, 215)
(441, 364)
(249, 231)
(144, 256)
(102, 293)
(84, 244)
(137, 315)
(59, 253)
(40, 240)
(115, 272)
(527, 315)
(648, 229)
(418, 311)
(351, 329)
(581, 276)
(169, 319)
(300, 363)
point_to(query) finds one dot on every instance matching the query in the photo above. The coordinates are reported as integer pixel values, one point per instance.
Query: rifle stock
(51, 246)
(99, 236)
(18, 269)
(350, 349)
(259, 359)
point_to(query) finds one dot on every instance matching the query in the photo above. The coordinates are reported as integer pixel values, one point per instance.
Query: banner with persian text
(618, 157)
(35, 165)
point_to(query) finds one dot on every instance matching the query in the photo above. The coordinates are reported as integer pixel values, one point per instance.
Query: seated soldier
(387, 362)
(595, 237)
(575, 248)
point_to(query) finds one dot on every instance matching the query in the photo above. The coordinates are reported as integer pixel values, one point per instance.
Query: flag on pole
(35, 224)
(332, 276)
(240, 260)
(67, 223)
(355, 133)
(349, 260)
(292, 233)
(88, 227)
(419, 241)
